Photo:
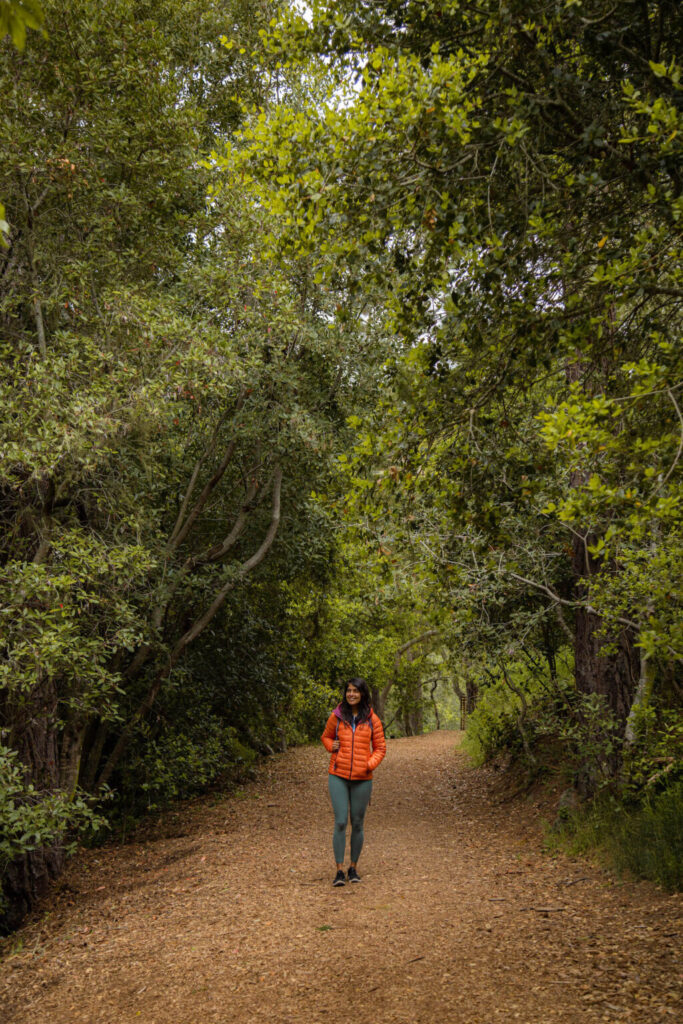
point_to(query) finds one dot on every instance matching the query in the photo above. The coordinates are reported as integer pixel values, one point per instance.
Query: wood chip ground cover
(460, 917)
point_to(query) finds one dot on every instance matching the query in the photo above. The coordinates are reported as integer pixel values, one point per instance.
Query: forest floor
(226, 913)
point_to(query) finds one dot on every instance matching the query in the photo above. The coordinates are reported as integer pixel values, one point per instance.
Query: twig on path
(545, 910)
(415, 959)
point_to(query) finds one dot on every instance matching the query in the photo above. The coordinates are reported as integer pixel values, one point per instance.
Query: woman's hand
(335, 746)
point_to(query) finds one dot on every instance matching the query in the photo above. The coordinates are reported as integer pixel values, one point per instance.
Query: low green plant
(654, 760)
(183, 762)
(649, 840)
(512, 710)
(587, 734)
(310, 704)
(30, 819)
(645, 840)
(492, 726)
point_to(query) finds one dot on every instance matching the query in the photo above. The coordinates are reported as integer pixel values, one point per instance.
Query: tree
(512, 175)
(169, 397)
(355, 622)
(15, 17)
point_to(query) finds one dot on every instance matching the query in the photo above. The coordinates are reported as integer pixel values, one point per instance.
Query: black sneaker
(353, 875)
(339, 878)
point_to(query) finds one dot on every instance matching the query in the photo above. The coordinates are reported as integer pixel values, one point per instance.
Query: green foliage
(311, 702)
(655, 759)
(30, 819)
(645, 839)
(492, 726)
(544, 722)
(170, 398)
(411, 370)
(18, 15)
(590, 738)
(504, 717)
(358, 619)
(649, 841)
(186, 759)
(525, 236)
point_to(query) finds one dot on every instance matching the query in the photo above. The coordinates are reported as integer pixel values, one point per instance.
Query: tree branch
(570, 604)
(197, 627)
(680, 444)
(522, 714)
(180, 532)
(397, 659)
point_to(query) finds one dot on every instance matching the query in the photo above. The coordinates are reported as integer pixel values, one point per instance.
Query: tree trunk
(613, 675)
(28, 878)
(413, 711)
(434, 704)
(472, 690)
(377, 701)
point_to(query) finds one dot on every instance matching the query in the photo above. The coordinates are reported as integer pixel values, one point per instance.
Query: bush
(646, 840)
(309, 705)
(182, 762)
(653, 762)
(30, 820)
(649, 840)
(494, 725)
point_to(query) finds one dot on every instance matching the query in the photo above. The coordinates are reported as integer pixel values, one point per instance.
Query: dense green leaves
(509, 179)
(335, 345)
(170, 400)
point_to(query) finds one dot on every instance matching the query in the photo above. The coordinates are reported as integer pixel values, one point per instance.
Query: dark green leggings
(353, 796)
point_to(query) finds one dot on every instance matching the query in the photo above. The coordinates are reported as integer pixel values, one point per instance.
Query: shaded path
(459, 918)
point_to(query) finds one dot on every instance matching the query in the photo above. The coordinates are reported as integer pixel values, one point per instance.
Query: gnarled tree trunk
(34, 738)
(613, 675)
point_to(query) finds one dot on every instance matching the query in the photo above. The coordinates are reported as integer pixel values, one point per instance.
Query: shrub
(182, 762)
(30, 820)
(649, 840)
(497, 722)
(653, 762)
(310, 704)
(492, 726)
(646, 839)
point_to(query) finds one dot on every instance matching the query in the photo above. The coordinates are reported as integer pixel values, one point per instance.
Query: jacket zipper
(353, 740)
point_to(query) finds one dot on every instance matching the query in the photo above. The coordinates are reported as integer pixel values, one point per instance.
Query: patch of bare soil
(459, 918)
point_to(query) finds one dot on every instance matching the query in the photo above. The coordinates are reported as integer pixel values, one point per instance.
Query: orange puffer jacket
(360, 749)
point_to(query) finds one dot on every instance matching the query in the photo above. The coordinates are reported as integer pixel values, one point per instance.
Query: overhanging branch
(195, 630)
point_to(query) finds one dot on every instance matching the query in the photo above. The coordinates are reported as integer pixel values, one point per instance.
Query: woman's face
(352, 695)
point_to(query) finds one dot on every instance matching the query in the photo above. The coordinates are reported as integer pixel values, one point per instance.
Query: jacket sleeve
(329, 733)
(379, 744)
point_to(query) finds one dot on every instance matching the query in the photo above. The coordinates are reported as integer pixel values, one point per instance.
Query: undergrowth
(634, 819)
(645, 840)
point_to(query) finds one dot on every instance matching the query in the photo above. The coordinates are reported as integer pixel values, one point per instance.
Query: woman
(355, 738)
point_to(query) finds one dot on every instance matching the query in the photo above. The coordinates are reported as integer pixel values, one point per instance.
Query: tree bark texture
(613, 675)
(28, 878)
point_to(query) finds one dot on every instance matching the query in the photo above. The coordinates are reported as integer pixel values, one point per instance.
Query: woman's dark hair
(363, 707)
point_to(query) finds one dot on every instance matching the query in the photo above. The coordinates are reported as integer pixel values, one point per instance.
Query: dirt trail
(459, 917)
